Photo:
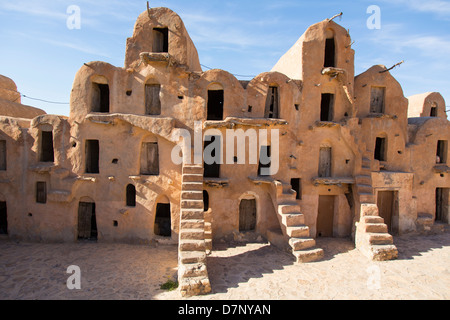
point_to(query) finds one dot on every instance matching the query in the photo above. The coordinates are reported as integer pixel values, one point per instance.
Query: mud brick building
(356, 157)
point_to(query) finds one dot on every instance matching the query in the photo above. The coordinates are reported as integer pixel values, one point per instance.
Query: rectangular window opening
(272, 103)
(100, 98)
(441, 153)
(46, 152)
(92, 156)
(330, 53)
(326, 107)
(212, 170)
(3, 218)
(2, 155)
(380, 149)
(215, 105)
(161, 40)
(296, 184)
(41, 192)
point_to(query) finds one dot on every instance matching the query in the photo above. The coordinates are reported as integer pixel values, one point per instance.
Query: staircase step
(364, 188)
(192, 234)
(193, 170)
(192, 186)
(192, 214)
(192, 245)
(284, 208)
(192, 178)
(192, 195)
(363, 179)
(372, 219)
(297, 231)
(194, 270)
(193, 224)
(308, 255)
(293, 219)
(380, 238)
(374, 227)
(366, 197)
(188, 257)
(301, 243)
(192, 204)
(384, 252)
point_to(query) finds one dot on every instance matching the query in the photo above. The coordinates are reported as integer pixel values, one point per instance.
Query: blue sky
(244, 37)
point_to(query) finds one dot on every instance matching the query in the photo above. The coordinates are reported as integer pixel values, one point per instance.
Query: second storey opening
(100, 97)
(272, 103)
(380, 149)
(46, 153)
(92, 155)
(441, 152)
(326, 107)
(215, 105)
(161, 40)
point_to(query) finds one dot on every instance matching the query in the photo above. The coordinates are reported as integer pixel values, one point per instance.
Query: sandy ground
(239, 272)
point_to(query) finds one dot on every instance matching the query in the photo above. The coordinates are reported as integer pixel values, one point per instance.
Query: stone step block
(193, 170)
(192, 214)
(298, 231)
(191, 245)
(301, 243)
(191, 195)
(192, 186)
(192, 204)
(284, 208)
(191, 257)
(192, 178)
(293, 219)
(380, 238)
(192, 234)
(192, 224)
(309, 255)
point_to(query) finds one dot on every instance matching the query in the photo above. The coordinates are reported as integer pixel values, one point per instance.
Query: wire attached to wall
(236, 75)
(42, 100)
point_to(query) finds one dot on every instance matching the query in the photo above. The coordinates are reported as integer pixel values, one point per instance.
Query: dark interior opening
(2, 155)
(264, 152)
(297, 187)
(101, 98)
(433, 112)
(47, 154)
(3, 218)
(380, 149)
(205, 200)
(441, 153)
(160, 40)
(330, 53)
(163, 225)
(272, 103)
(215, 105)
(87, 222)
(92, 156)
(212, 170)
(326, 107)
(131, 196)
(41, 192)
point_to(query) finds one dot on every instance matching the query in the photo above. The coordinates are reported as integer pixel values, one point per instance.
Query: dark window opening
(212, 170)
(92, 156)
(152, 100)
(330, 53)
(131, 196)
(163, 225)
(326, 107)
(205, 200)
(296, 184)
(115, 223)
(2, 155)
(264, 156)
(433, 112)
(41, 192)
(87, 223)
(441, 153)
(100, 101)
(150, 159)
(129, 92)
(160, 40)
(380, 149)
(3, 218)
(442, 204)
(46, 154)
(325, 162)
(215, 105)
(272, 103)
(247, 215)
(377, 99)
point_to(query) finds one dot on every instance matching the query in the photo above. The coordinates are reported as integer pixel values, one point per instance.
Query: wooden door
(377, 96)
(325, 216)
(385, 204)
(87, 224)
(325, 162)
(442, 204)
(152, 100)
(247, 215)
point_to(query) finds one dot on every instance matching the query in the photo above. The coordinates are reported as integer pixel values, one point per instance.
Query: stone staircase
(292, 223)
(372, 237)
(192, 272)
(363, 181)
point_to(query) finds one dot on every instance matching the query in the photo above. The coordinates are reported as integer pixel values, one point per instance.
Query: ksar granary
(356, 157)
